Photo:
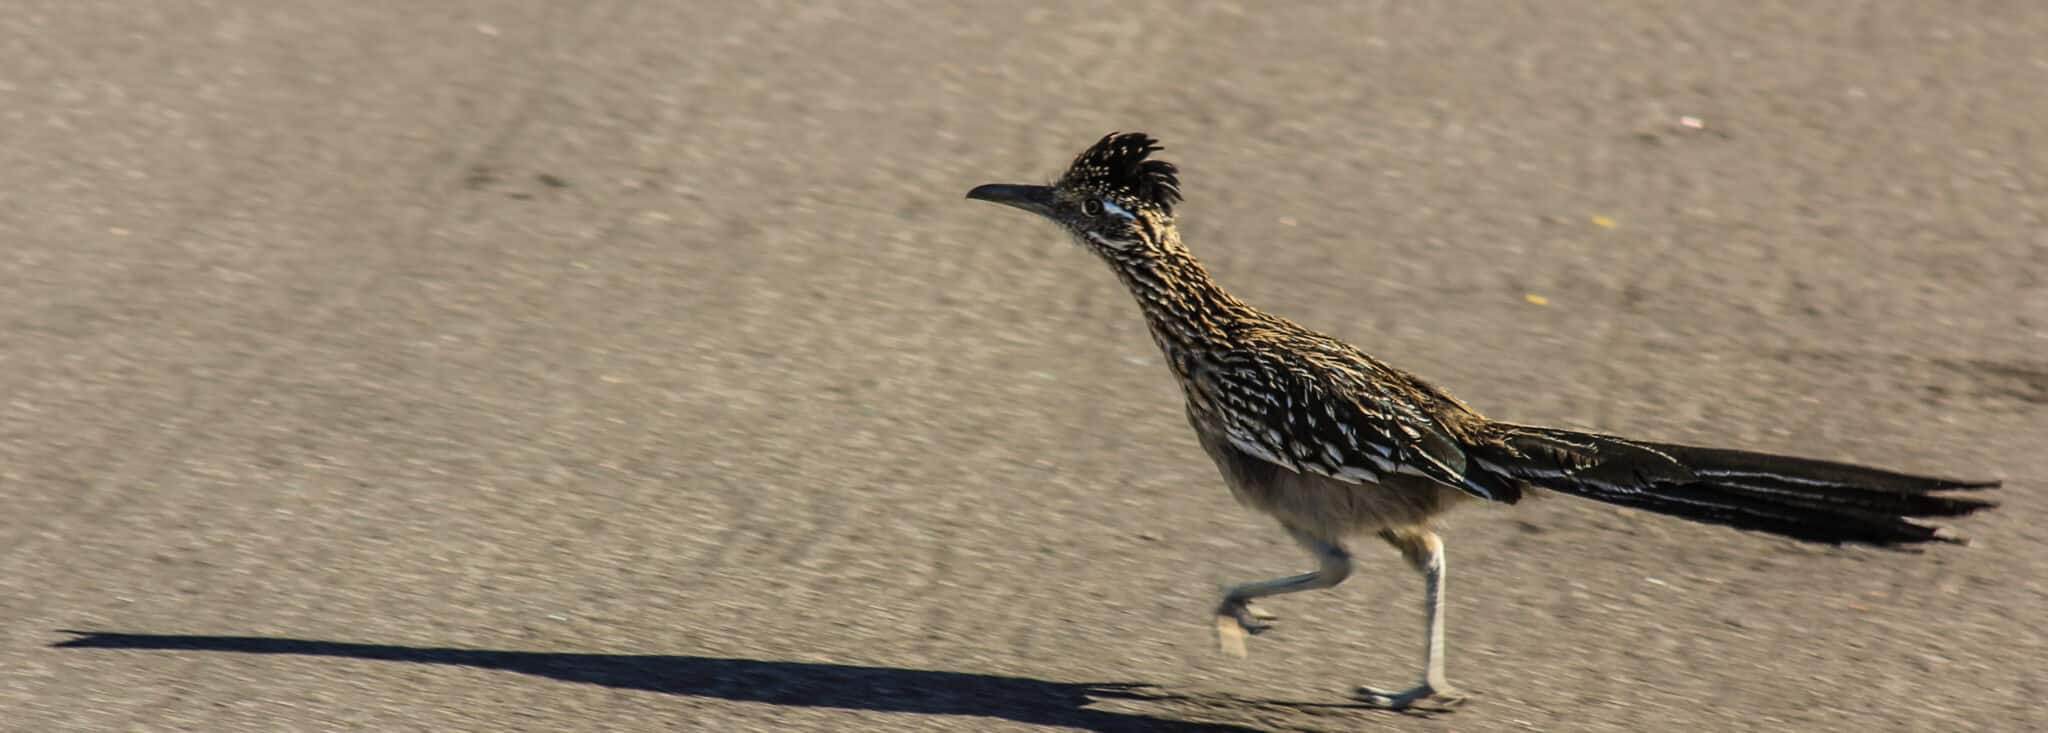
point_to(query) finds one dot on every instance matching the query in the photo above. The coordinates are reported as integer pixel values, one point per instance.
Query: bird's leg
(1425, 551)
(1236, 616)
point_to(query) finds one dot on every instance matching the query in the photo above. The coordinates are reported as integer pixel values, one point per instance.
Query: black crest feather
(1120, 164)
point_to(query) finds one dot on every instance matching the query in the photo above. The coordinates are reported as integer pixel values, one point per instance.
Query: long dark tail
(1816, 501)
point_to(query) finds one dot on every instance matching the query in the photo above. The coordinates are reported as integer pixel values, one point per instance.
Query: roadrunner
(1337, 445)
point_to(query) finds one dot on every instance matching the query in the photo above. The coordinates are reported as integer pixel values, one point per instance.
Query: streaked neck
(1183, 305)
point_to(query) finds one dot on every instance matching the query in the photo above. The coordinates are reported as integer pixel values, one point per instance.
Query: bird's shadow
(799, 684)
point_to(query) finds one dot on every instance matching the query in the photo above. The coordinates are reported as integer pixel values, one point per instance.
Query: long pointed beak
(1035, 199)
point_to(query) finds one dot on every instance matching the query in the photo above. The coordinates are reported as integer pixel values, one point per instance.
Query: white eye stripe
(1111, 207)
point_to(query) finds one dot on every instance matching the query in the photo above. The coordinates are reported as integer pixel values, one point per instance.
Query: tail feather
(1801, 498)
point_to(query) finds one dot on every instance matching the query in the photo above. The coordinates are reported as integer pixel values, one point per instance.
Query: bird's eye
(1091, 207)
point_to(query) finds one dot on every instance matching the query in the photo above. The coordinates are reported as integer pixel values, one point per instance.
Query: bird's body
(1336, 444)
(1227, 357)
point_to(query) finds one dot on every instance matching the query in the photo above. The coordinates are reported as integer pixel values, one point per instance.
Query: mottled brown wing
(1338, 418)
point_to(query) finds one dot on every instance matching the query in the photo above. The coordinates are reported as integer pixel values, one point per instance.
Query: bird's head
(1114, 199)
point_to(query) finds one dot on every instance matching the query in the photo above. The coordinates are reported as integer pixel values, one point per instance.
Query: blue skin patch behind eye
(1111, 207)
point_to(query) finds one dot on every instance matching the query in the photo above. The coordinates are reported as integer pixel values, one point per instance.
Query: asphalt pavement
(603, 366)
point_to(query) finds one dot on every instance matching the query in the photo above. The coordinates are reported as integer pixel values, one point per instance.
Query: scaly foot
(1420, 697)
(1235, 619)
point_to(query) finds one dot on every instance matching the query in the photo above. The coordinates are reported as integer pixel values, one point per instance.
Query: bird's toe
(1425, 698)
(1237, 619)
